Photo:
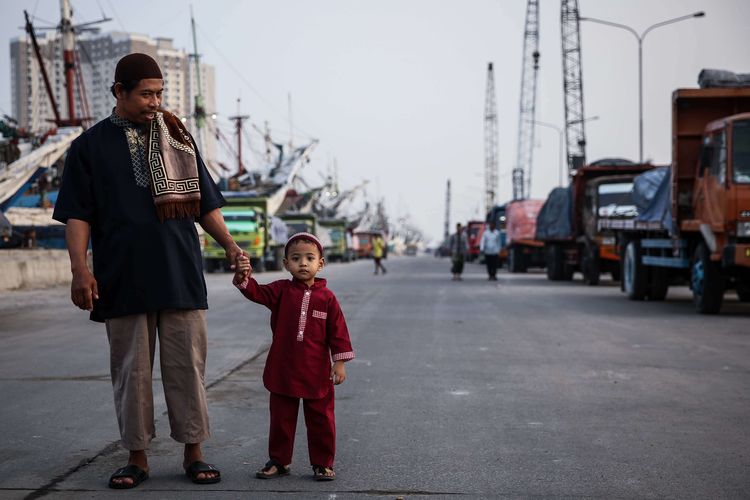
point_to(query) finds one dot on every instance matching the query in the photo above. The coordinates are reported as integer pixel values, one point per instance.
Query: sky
(394, 90)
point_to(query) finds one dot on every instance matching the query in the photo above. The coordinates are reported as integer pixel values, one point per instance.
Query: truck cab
(721, 195)
(248, 229)
(338, 247)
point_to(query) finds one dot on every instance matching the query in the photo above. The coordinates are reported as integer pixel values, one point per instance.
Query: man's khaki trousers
(182, 348)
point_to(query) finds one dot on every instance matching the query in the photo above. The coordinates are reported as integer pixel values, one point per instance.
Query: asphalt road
(472, 389)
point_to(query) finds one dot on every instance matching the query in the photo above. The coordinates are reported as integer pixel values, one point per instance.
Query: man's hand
(338, 372)
(234, 252)
(84, 290)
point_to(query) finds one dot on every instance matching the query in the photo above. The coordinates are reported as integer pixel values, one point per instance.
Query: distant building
(98, 56)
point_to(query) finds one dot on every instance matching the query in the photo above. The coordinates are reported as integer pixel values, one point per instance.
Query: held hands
(233, 253)
(338, 372)
(242, 269)
(84, 290)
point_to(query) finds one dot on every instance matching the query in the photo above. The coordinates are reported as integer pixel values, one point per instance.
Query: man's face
(140, 104)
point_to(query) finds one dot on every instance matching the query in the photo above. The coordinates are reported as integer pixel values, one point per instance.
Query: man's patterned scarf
(164, 159)
(173, 165)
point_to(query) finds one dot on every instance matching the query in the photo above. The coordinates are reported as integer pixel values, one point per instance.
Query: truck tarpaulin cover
(554, 220)
(652, 193)
(520, 219)
(722, 78)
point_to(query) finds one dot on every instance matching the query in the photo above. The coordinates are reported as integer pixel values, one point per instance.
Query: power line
(249, 86)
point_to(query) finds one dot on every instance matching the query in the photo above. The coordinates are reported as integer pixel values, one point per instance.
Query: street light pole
(640, 60)
(560, 131)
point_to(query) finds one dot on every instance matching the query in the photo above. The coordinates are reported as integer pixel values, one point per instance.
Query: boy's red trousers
(321, 428)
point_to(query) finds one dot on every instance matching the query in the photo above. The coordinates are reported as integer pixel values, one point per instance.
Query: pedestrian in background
(378, 249)
(136, 185)
(309, 348)
(459, 247)
(490, 246)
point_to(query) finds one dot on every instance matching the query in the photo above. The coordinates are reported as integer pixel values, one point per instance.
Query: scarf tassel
(178, 210)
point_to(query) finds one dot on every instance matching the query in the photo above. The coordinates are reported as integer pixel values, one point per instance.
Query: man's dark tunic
(140, 263)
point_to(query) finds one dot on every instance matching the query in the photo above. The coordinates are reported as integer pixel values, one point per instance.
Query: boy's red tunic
(309, 330)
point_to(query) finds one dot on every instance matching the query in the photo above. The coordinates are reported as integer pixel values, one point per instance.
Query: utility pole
(238, 119)
(527, 104)
(447, 228)
(490, 142)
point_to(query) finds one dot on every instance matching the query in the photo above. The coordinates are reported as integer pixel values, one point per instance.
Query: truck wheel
(258, 265)
(743, 292)
(516, 260)
(590, 265)
(554, 260)
(658, 286)
(615, 272)
(634, 272)
(706, 281)
(208, 265)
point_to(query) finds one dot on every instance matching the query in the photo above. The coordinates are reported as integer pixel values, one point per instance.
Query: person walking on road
(309, 348)
(459, 247)
(378, 249)
(490, 246)
(135, 184)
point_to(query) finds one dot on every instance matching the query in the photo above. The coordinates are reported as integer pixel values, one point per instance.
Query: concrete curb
(33, 268)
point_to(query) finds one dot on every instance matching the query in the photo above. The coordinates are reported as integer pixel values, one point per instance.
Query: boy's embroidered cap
(303, 236)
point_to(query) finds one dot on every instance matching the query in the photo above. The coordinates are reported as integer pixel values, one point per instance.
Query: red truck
(523, 249)
(474, 232)
(696, 228)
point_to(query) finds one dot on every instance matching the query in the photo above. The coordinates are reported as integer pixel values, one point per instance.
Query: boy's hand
(242, 269)
(338, 372)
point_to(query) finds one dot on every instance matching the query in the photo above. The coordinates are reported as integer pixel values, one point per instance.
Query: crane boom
(527, 106)
(575, 135)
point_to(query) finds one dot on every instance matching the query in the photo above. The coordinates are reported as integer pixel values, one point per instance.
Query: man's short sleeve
(211, 197)
(76, 197)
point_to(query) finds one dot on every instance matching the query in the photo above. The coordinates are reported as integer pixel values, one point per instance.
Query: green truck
(247, 219)
(300, 223)
(337, 243)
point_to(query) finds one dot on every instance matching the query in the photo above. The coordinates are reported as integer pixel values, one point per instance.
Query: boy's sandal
(323, 473)
(131, 471)
(271, 470)
(200, 467)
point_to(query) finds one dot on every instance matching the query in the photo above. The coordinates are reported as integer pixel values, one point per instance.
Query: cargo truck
(338, 246)
(260, 235)
(474, 231)
(569, 223)
(523, 249)
(696, 227)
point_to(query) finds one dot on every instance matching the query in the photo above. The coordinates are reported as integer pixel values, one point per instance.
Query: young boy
(309, 331)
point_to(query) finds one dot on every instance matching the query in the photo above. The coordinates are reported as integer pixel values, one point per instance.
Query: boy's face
(303, 260)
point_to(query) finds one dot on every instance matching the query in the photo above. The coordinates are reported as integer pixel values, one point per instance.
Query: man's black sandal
(319, 473)
(265, 472)
(199, 467)
(131, 471)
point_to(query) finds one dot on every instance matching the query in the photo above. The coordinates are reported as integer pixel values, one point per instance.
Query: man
(490, 246)
(378, 248)
(135, 184)
(459, 247)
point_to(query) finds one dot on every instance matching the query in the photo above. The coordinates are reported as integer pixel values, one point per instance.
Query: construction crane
(527, 106)
(490, 142)
(575, 135)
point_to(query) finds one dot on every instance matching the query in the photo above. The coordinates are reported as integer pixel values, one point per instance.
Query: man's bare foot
(137, 458)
